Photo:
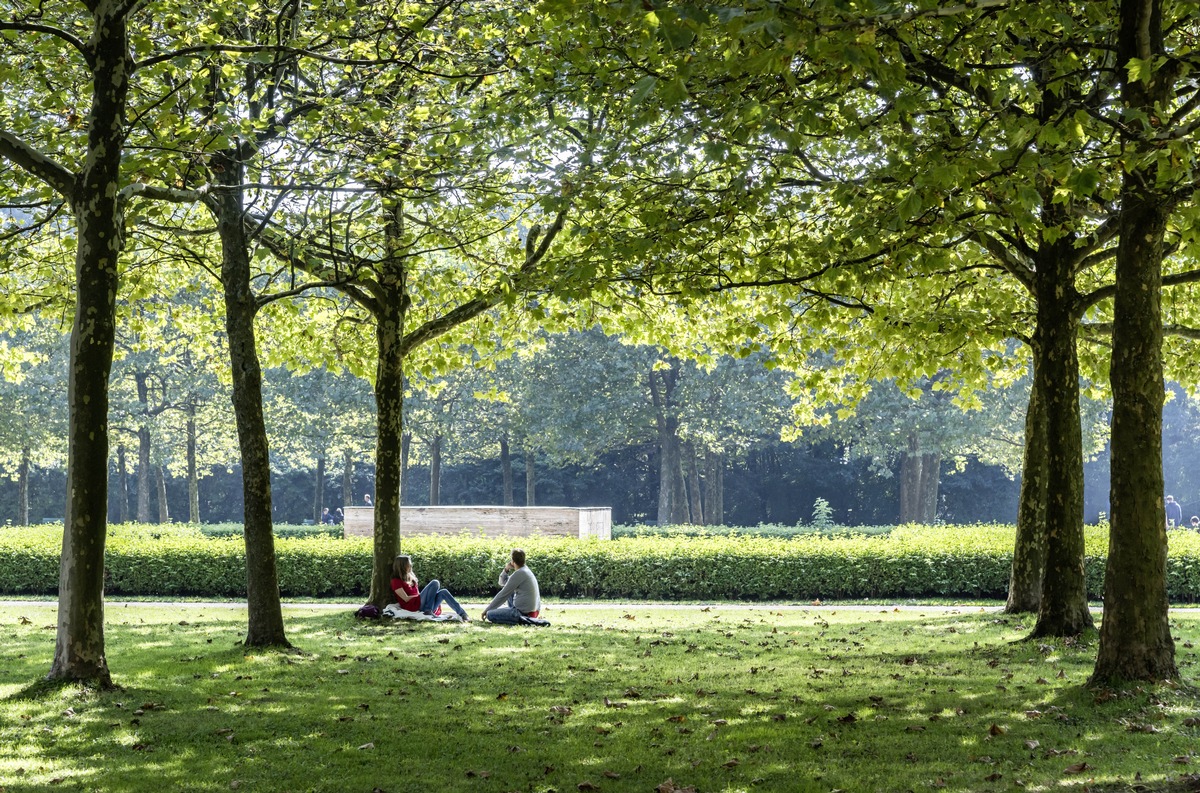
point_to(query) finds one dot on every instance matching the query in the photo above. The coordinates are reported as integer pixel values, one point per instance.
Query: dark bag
(368, 612)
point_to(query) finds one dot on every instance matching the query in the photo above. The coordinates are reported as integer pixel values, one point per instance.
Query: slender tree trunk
(79, 644)
(506, 471)
(164, 512)
(435, 471)
(1064, 608)
(123, 484)
(1135, 634)
(1029, 551)
(910, 484)
(697, 502)
(530, 478)
(931, 470)
(193, 474)
(715, 478)
(319, 490)
(23, 488)
(390, 446)
(144, 477)
(671, 494)
(265, 625)
(347, 478)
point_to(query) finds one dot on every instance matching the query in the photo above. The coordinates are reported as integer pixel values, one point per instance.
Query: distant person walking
(519, 593)
(1174, 513)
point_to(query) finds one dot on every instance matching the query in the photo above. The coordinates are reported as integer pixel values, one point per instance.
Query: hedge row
(950, 561)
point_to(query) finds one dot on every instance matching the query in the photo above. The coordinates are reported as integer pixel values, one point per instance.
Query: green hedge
(910, 561)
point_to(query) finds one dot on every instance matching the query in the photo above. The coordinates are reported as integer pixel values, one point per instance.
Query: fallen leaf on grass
(670, 787)
(587, 786)
(731, 763)
(677, 718)
(611, 775)
(369, 745)
(561, 710)
(24, 621)
(1078, 768)
(1031, 744)
(995, 777)
(1181, 760)
(996, 729)
(480, 774)
(608, 703)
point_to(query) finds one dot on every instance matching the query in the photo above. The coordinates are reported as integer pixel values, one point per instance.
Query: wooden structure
(581, 522)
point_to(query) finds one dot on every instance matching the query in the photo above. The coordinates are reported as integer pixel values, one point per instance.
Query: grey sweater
(522, 585)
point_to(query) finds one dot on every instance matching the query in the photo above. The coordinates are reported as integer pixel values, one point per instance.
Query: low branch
(58, 33)
(45, 168)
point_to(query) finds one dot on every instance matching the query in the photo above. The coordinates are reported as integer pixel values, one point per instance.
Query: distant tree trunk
(347, 478)
(672, 494)
(193, 474)
(910, 484)
(931, 470)
(164, 512)
(79, 643)
(435, 471)
(530, 478)
(1029, 552)
(319, 490)
(507, 471)
(697, 500)
(144, 476)
(123, 484)
(405, 448)
(265, 623)
(1064, 609)
(1135, 634)
(23, 488)
(714, 494)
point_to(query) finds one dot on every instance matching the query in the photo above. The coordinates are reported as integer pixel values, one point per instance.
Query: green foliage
(822, 515)
(907, 562)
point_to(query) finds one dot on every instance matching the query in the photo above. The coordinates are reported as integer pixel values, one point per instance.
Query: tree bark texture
(910, 483)
(405, 447)
(144, 477)
(319, 490)
(265, 625)
(506, 471)
(931, 472)
(79, 644)
(160, 478)
(435, 471)
(347, 478)
(714, 488)
(1029, 551)
(530, 477)
(389, 403)
(123, 485)
(1064, 608)
(193, 475)
(1135, 635)
(23, 488)
(697, 499)
(672, 493)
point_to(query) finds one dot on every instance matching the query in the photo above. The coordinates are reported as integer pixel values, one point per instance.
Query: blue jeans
(504, 615)
(433, 596)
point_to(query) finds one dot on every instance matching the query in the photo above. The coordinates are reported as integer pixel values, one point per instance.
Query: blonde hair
(402, 569)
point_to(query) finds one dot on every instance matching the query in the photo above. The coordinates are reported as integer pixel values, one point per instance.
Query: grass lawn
(610, 698)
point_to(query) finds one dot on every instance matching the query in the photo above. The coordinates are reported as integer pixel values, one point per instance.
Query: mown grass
(610, 698)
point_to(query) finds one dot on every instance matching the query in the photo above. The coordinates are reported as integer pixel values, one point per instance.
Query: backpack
(368, 612)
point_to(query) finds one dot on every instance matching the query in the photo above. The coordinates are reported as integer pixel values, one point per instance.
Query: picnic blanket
(395, 612)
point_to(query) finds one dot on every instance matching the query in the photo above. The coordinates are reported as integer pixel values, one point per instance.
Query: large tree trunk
(23, 488)
(931, 471)
(714, 493)
(672, 494)
(1064, 608)
(265, 626)
(910, 484)
(79, 644)
(1029, 551)
(123, 484)
(144, 476)
(506, 471)
(193, 475)
(697, 499)
(405, 447)
(319, 490)
(389, 403)
(1135, 635)
(435, 471)
(164, 512)
(347, 478)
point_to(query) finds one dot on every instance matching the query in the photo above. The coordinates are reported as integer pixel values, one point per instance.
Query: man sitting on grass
(518, 589)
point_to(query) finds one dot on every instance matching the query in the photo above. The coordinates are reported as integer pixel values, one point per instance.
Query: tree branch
(43, 167)
(59, 33)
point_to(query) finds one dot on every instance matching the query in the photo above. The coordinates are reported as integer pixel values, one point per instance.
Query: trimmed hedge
(911, 561)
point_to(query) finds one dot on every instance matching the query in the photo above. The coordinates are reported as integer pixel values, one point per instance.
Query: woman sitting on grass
(428, 600)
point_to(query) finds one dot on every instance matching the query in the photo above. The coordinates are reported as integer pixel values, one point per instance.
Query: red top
(414, 601)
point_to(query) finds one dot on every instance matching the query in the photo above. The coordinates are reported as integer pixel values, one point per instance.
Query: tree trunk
(931, 471)
(347, 479)
(79, 643)
(530, 478)
(672, 504)
(265, 626)
(23, 488)
(693, 471)
(123, 484)
(910, 484)
(435, 471)
(319, 490)
(405, 447)
(1029, 551)
(714, 478)
(1135, 634)
(144, 476)
(164, 512)
(1064, 608)
(193, 474)
(390, 446)
(506, 471)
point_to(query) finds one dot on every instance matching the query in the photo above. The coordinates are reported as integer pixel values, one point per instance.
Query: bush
(909, 561)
